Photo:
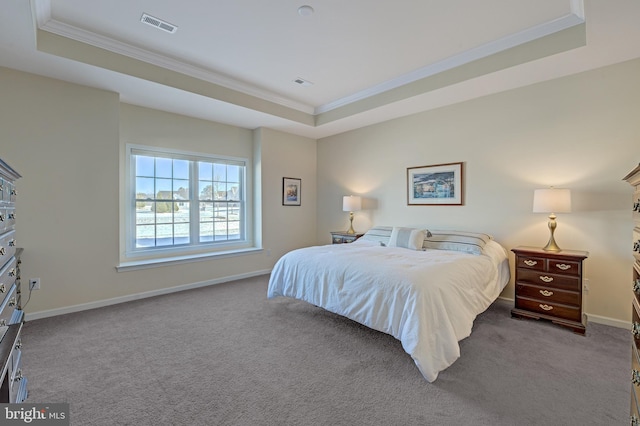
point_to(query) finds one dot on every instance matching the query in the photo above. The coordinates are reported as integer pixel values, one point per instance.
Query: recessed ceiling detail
(158, 23)
(231, 61)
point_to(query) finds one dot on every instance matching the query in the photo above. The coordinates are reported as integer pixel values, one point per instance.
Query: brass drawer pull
(563, 266)
(12, 242)
(1, 218)
(18, 375)
(636, 286)
(546, 293)
(635, 377)
(546, 279)
(12, 272)
(634, 420)
(635, 330)
(546, 307)
(2, 288)
(2, 251)
(529, 262)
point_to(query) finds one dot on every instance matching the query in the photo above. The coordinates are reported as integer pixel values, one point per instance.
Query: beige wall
(65, 141)
(581, 132)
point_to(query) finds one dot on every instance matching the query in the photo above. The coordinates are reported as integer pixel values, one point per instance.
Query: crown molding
(42, 14)
(471, 55)
(41, 10)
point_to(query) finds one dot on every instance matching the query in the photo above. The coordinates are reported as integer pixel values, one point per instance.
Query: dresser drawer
(8, 276)
(8, 307)
(7, 246)
(548, 295)
(636, 243)
(15, 376)
(636, 282)
(566, 282)
(635, 384)
(4, 220)
(550, 309)
(635, 325)
(8, 191)
(635, 372)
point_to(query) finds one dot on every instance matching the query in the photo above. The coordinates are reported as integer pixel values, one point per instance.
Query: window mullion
(194, 212)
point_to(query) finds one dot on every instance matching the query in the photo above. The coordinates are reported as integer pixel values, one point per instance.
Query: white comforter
(426, 299)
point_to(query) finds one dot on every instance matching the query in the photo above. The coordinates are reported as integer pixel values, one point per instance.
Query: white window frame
(194, 249)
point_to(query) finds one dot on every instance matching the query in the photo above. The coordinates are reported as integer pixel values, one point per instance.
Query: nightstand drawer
(548, 295)
(564, 267)
(551, 309)
(533, 263)
(548, 280)
(344, 237)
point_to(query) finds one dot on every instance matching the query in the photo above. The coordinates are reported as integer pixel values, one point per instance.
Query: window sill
(176, 260)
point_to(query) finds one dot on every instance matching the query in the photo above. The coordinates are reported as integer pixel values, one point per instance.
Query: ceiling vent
(158, 23)
(303, 82)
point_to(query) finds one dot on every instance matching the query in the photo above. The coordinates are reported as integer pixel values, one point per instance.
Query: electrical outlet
(34, 284)
(585, 285)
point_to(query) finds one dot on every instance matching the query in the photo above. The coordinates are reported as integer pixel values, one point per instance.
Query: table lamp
(351, 203)
(552, 201)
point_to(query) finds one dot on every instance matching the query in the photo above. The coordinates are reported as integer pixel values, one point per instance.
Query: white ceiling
(369, 60)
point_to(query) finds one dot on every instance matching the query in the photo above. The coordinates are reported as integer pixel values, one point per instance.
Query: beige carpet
(225, 355)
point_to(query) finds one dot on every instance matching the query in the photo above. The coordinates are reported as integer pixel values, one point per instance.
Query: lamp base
(351, 230)
(551, 245)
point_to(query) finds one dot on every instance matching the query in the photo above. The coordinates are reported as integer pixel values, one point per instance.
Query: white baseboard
(609, 321)
(598, 319)
(107, 302)
(137, 296)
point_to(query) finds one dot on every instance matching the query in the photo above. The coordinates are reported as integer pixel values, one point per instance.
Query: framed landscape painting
(439, 184)
(291, 191)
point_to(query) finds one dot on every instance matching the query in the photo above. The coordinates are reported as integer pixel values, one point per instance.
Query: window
(181, 201)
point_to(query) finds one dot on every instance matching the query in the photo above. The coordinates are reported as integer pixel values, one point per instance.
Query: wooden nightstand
(549, 286)
(341, 237)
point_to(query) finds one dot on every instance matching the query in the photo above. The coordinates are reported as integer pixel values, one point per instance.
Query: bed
(423, 287)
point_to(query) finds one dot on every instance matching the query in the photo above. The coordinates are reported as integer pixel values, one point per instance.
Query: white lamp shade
(351, 203)
(552, 200)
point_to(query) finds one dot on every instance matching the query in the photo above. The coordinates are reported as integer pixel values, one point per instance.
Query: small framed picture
(440, 184)
(291, 191)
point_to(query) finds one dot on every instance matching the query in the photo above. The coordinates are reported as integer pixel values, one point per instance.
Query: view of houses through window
(186, 201)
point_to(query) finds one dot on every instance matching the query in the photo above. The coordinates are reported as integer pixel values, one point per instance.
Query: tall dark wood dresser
(13, 387)
(634, 179)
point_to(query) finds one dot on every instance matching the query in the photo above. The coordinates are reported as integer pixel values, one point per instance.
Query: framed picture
(437, 185)
(291, 191)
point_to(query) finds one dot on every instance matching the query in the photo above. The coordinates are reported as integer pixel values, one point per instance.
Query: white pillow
(410, 238)
(469, 242)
